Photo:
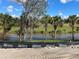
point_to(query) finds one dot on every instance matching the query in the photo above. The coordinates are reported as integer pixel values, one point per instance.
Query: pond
(14, 37)
(42, 36)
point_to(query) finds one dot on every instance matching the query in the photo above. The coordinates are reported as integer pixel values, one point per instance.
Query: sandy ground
(40, 53)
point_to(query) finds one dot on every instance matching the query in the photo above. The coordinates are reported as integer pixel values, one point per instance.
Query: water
(42, 36)
(14, 37)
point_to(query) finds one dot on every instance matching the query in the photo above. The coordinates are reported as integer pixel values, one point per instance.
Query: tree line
(7, 22)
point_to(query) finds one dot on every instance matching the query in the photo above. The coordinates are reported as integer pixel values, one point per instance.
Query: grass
(51, 41)
(40, 41)
(37, 41)
(14, 29)
(65, 29)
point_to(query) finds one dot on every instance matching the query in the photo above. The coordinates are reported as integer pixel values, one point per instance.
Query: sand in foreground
(40, 53)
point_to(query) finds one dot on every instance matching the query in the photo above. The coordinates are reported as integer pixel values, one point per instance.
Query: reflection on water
(42, 36)
(14, 37)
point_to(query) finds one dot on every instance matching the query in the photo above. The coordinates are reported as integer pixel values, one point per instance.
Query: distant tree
(6, 22)
(57, 21)
(77, 20)
(45, 22)
(21, 30)
(35, 24)
(47, 19)
(61, 23)
(72, 21)
(66, 20)
(16, 21)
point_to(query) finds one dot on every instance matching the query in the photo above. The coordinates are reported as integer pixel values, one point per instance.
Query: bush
(41, 32)
(59, 31)
(77, 29)
(34, 32)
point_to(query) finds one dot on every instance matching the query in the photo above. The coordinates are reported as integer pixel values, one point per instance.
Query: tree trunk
(21, 33)
(45, 35)
(54, 34)
(73, 33)
(3, 34)
(45, 32)
(31, 30)
(20, 38)
(30, 33)
(4, 31)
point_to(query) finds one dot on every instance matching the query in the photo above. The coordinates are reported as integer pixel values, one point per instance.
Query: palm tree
(21, 30)
(2, 23)
(61, 22)
(72, 21)
(56, 22)
(46, 20)
(6, 22)
(35, 24)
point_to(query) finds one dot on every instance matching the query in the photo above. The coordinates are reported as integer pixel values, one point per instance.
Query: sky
(62, 8)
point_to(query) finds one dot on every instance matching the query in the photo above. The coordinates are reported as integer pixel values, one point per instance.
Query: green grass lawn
(65, 29)
(52, 41)
(14, 30)
(37, 41)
